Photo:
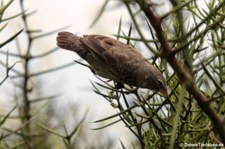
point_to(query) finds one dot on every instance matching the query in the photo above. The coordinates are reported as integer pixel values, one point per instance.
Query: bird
(114, 60)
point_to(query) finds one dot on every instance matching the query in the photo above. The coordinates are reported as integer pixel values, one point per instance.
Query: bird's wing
(121, 58)
(111, 50)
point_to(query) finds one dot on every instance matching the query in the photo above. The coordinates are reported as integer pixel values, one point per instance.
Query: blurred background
(49, 101)
(71, 87)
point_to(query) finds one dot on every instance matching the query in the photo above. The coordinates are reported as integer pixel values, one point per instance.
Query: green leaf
(11, 38)
(5, 7)
(100, 13)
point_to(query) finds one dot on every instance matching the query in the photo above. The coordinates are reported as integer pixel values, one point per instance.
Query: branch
(184, 76)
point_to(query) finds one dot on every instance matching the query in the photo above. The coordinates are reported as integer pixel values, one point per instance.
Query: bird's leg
(119, 85)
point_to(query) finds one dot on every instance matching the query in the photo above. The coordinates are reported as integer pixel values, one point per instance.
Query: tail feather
(69, 41)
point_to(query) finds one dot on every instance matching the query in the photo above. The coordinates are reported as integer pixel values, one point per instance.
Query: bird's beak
(163, 91)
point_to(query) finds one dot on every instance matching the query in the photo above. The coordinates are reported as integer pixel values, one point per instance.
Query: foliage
(187, 43)
(32, 113)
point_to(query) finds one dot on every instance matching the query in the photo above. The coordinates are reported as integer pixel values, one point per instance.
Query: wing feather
(120, 58)
(110, 50)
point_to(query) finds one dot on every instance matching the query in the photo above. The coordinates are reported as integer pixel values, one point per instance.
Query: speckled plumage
(114, 60)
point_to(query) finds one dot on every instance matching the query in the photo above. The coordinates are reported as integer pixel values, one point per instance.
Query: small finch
(112, 59)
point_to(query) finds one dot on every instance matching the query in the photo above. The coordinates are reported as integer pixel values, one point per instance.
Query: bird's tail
(70, 42)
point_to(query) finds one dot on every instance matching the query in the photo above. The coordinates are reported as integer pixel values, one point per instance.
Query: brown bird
(112, 59)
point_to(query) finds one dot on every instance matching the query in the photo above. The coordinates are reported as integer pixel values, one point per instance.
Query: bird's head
(155, 81)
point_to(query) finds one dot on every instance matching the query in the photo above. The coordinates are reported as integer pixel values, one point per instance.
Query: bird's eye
(159, 84)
